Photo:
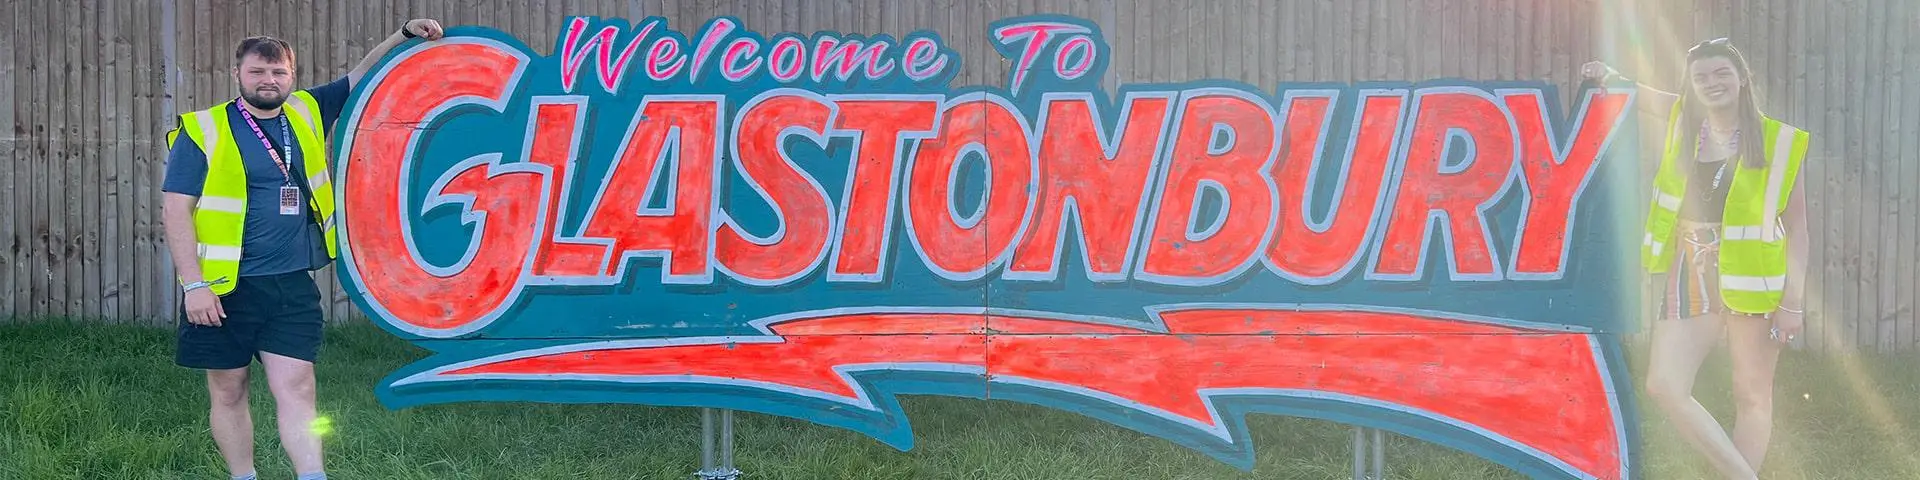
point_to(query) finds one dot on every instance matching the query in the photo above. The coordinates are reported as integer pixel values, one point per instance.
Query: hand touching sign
(423, 28)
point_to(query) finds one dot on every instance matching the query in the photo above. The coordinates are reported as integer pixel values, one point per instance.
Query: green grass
(105, 401)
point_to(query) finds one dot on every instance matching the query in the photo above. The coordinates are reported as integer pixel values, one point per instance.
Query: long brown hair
(1751, 150)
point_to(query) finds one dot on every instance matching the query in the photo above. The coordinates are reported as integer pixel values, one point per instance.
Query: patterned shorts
(1693, 282)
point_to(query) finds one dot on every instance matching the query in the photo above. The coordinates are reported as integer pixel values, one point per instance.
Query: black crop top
(1704, 203)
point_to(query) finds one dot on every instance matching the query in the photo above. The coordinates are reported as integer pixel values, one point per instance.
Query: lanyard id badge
(289, 193)
(289, 200)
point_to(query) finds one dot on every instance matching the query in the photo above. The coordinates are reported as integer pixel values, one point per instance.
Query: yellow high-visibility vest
(220, 215)
(1753, 253)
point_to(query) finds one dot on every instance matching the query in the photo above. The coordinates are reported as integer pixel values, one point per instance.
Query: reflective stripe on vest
(1753, 259)
(219, 216)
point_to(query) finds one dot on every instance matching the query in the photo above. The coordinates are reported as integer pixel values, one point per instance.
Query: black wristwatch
(407, 33)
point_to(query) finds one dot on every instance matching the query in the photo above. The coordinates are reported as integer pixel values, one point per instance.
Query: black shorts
(279, 314)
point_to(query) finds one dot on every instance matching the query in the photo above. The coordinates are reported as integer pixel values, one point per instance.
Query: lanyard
(286, 140)
(1699, 145)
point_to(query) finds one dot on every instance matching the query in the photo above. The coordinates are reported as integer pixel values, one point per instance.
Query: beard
(254, 98)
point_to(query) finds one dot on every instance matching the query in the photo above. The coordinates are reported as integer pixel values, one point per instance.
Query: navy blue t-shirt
(272, 243)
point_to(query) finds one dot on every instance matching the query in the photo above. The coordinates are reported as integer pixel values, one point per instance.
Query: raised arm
(1653, 104)
(420, 27)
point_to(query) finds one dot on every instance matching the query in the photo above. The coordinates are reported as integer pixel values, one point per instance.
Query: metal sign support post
(1362, 444)
(725, 470)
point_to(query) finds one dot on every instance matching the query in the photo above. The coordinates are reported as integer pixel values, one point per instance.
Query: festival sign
(810, 226)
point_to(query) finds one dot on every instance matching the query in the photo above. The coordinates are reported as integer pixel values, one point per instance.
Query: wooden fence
(89, 87)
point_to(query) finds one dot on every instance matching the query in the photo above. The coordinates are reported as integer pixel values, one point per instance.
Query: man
(249, 215)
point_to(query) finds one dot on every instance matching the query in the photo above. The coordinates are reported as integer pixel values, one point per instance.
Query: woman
(1729, 232)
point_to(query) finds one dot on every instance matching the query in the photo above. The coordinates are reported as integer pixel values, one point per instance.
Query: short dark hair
(268, 48)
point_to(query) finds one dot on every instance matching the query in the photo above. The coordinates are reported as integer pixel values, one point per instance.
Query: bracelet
(189, 288)
(407, 33)
(1783, 308)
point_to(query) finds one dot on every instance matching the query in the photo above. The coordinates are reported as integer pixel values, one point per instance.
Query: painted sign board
(809, 226)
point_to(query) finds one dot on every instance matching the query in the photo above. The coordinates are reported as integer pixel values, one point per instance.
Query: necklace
(1699, 145)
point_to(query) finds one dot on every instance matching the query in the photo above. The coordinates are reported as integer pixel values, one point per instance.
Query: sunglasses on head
(1718, 42)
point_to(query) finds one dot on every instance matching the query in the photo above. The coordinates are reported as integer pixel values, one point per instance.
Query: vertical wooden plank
(122, 102)
(1112, 23)
(1512, 40)
(19, 175)
(334, 40)
(312, 70)
(548, 26)
(523, 20)
(66, 213)
(1896, 243)
(1365, 58)
(1797, 77)
(1238, 19)
(1373, 46)
(1894, 297)
(1851, 56)
(83, 175)
(1910, 170)
(1824, 30)
(1542, 61)
(1366, 43)
(134, 92)
(145, 89)
(1857, 163)
(1280, 21)
(1587, 38)
(1825, 331)
(1234, 40)
(1768, 39)
(108, 141)
(1524, 41)
(1277, 39)
(205, 60)
(1866, 107)
(54, 201)
(490, 17)
(1872, 158)
(35, 200)
(31, 179)
(1411, 22)
(1485, 37)
(154, 118)
(1124, 46)
(298, 38)
(1565, 37)
(1225, 44)
(1460, 37)
(1174, 57)
(93, 176)
(326, 66)
(38, 269)
(87, 143)
(10, 133)
(1474, 39)
(1225, 40)
(1481, 38)
(1335, 17)
(117, 240)
(1453, 47)
(1327, 41)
